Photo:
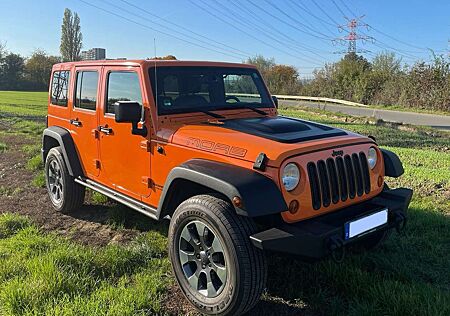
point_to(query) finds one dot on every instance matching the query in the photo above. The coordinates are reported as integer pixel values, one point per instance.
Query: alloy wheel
(202, 258)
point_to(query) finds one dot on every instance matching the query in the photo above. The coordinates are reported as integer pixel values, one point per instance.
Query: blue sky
(296, 32)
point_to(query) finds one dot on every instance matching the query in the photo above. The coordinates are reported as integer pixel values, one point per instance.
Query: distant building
(93, 54)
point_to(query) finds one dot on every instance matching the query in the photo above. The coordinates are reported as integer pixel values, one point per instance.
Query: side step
(119, 197)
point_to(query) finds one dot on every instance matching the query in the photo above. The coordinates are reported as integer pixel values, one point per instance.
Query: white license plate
(365, 224)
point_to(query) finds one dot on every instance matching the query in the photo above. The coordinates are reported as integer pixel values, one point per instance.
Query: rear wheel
(65, 194)
(216, 266)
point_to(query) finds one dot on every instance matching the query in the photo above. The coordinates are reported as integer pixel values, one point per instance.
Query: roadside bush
(382, 81)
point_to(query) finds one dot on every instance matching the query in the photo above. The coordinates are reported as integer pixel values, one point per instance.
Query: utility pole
(353, 36)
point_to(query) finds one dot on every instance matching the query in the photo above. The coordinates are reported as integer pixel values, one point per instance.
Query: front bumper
(320, 236)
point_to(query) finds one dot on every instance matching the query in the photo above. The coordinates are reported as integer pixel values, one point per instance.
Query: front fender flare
(259, 194)
(392, 165)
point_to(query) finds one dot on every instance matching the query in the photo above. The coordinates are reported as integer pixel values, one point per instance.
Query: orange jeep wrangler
(202, 145)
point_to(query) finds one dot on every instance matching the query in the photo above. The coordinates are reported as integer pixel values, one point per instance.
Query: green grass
(3, 147)
(35, 163)
(42, 274)
(24, 103)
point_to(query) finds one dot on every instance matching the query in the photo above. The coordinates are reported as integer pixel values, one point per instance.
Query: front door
(124, 157)
(84, 119)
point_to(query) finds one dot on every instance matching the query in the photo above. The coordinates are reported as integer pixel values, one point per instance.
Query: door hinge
(147, 181)
(96, 133)
(146, 145)
(97, 164)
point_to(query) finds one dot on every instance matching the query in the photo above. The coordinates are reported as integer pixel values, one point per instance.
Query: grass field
(42, 273)
(24, 103)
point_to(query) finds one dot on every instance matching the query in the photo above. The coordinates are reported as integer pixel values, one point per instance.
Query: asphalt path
(441, 122)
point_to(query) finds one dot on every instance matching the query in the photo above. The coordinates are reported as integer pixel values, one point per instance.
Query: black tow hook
(400, 222)
(337, 249)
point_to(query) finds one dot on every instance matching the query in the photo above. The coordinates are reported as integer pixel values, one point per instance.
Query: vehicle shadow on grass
(410, 267)
(118, 216)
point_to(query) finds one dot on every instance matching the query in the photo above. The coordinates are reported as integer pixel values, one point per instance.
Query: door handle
(75, 122)
(105, 130)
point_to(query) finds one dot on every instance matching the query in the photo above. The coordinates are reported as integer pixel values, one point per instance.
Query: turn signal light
(293, 206)
(237, 201)
(380, 181)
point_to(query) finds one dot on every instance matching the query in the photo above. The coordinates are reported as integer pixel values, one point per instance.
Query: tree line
(33, 73)
(382, 81)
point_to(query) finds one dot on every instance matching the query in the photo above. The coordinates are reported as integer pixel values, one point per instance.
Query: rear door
(84, 118)
(125, 157)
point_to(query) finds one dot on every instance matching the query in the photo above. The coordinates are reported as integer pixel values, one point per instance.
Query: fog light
(293, 206)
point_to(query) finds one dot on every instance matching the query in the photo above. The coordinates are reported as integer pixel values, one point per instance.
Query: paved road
(441, 122)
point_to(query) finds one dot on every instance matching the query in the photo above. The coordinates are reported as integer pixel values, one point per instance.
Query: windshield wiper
(253, 109)
(212, 114)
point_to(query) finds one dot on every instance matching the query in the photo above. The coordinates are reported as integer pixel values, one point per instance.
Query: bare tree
(71, 37)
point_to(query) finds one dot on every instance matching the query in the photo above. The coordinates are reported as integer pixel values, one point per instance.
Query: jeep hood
(278, 137)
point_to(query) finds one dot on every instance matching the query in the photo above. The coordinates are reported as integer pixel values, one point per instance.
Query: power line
(185, 28)
(272, 33)
(232, 50)
(339, 9)
(325, 13)
(287, 23)
(263, 25)
(293, 19)
(300, 6)
(242, 30)
(154, 29)
(348, 9)
(398, 40)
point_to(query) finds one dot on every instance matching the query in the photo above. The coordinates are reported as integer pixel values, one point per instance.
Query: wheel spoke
(210, 285)
(200, 227)
(221, 272)
(216, 245)
(186, 257)
(193, 280)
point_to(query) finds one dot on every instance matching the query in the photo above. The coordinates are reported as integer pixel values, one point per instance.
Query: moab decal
(216, 147)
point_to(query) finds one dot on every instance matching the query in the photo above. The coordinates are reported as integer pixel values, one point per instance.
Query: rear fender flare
(55, 135)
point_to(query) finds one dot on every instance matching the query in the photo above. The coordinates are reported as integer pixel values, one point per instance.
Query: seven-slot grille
(338, 179)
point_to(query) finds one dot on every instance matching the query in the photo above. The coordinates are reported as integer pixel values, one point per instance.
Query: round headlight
(290, 176)
(372, 157)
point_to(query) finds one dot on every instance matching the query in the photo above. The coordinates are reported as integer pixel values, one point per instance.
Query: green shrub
(35, 163)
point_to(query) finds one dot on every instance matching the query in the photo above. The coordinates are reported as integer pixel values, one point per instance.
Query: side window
(60, 86)
(86, 93)
(122, 86)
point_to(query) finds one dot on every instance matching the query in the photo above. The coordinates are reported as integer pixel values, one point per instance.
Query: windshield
(191, 89)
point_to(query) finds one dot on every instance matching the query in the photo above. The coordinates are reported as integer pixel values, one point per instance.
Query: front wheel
(217, 268)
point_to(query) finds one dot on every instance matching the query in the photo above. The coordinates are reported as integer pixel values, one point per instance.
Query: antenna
(156, 74)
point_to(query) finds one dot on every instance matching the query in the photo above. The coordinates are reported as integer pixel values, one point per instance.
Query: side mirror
(275, 101)
(130, 112)
(127, 111)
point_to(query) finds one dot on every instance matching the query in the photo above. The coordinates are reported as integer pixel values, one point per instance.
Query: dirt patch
(86, 225)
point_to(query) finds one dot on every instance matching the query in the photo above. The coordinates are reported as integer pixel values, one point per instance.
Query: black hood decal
(283, 129)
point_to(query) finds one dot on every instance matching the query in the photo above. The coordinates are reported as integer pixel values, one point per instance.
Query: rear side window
(122, 86)
(60, 87)
(86, 92)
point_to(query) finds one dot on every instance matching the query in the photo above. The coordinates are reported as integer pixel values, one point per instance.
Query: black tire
(246, 269)
(71, 194)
